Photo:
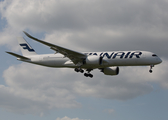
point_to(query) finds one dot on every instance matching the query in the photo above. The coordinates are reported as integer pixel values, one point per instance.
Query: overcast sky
(39, 93)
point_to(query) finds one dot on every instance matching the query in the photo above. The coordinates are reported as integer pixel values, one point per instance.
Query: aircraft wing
(76, 57)
(18, 56)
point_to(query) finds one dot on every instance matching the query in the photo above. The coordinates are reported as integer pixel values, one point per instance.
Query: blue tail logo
(25, 46)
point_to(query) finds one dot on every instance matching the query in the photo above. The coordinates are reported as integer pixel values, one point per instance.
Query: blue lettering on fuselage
(126, 56)
(94, 53)
(137, 54)
(121, 55)
(107, 55)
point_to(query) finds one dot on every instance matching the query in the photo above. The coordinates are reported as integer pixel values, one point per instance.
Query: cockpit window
(154, 55)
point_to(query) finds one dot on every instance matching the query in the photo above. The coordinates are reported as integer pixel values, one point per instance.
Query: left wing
(76, 57)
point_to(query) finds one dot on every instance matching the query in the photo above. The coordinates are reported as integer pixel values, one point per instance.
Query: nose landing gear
(151, 66)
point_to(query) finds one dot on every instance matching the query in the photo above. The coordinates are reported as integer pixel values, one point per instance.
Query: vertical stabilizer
(26, 49)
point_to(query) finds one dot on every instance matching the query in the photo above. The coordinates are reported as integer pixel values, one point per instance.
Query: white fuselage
(114, 58)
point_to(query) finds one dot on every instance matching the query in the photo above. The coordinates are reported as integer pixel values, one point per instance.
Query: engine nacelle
(93, 60)
(111, 70)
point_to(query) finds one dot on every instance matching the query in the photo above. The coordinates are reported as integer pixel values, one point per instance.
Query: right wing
(75, 57)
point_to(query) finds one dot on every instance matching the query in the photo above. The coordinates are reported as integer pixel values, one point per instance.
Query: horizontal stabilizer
(18, 56)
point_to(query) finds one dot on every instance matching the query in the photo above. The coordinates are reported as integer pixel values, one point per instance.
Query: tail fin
(26, 49)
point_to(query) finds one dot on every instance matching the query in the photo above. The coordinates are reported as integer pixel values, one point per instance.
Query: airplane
(106, 62)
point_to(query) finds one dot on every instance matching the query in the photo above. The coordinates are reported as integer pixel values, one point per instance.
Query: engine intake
(110, 70)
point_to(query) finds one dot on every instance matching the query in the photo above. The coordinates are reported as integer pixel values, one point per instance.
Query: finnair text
(121, 55)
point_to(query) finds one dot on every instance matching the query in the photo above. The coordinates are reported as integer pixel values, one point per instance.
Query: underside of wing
(76, 57)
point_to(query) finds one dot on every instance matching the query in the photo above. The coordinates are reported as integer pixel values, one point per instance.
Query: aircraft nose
(159, 60)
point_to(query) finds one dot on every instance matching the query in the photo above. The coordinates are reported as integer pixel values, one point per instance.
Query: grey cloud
(83, 26)
(37, 87)
(57, 15)
(18, 104)
(141, 25)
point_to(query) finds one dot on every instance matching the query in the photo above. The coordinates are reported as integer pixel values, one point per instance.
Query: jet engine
(110, 70)
(93, 60)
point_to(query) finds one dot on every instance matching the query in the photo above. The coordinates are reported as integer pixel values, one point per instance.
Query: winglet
(28, 35)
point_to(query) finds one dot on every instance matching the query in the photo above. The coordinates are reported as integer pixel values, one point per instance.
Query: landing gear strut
(151, 66)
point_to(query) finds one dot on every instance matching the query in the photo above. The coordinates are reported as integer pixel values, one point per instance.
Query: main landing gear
(79, 70)
(88, 74)
(151, 66)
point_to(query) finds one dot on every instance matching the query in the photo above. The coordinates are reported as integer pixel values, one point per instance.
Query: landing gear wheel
(150, 71)
(88, 75)
(81, 71)
(76, 69)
